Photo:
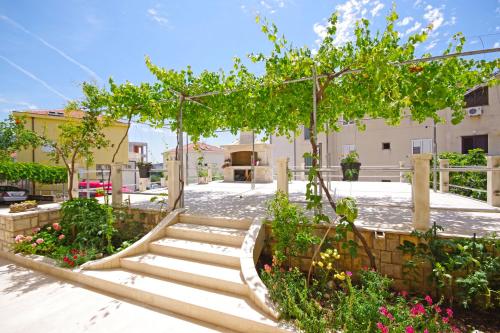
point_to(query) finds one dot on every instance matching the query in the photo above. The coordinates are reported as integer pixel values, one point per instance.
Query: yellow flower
(340, 276)
(337, 256)
(314, 263)
(320, 264)
(329, 266)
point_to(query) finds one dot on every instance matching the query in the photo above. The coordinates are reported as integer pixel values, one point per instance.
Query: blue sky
(47, 48)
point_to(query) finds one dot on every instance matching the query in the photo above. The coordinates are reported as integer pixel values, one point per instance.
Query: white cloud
(50, 46)
(434, 16)
(414, 28)
(378, 7)
(405, 21)
(417, 3)
(349, 12)
(157, 16)
(497, 44)
(474, 41)
(34, 77)
(432, 44)
(24, 104)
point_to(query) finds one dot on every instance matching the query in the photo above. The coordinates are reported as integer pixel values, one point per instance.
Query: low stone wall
(13, 224)
(384, 246)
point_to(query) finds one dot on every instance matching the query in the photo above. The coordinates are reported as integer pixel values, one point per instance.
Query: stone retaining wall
(13, 224)
(384, 246)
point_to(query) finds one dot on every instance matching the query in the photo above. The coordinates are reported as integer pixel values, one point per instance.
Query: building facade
(384, 145)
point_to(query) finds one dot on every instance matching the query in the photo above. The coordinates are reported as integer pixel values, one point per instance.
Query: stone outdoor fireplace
(238, 157)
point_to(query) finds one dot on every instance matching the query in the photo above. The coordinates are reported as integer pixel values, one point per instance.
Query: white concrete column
(143, 184)
(401, 173)
(76, 181)
(444, 176)
(493, 181)
(420, 188)
(302, 174)
(209, 177)
(282, 177)
(173, 183)
(116, 183)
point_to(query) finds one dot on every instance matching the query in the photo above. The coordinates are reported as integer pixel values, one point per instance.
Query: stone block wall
(384, 245)
(13, 224)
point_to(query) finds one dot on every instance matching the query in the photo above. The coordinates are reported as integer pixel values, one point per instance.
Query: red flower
(65, 259)
(449, 312)
(382, 327)
(437, 308)
(428, 299)
(409, 329)
(418, 309)
(75, 257)
(446, 319)
(267, 268)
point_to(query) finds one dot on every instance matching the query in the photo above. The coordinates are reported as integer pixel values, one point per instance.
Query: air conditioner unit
(474, 111)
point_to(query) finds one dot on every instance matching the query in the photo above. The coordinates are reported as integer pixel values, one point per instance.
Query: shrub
(291, 229)
(88, 224)
(45, 174)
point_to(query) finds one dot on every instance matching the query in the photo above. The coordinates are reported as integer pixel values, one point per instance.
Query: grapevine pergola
(375, 75)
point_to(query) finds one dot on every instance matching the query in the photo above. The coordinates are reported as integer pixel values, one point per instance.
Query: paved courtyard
(383, 206)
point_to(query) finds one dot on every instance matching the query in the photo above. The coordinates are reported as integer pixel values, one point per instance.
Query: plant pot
(144, 171)
(350, 171)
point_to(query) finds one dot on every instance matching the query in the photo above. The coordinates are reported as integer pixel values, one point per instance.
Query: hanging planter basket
(350, 171)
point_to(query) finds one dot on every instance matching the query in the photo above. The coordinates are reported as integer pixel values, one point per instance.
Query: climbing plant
(45, 174)
(366, 77)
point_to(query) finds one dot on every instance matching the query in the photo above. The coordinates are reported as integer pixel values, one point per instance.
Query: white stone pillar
(420, 188)
(302, 174)
(444, 176)
(76, 181)
(116, 183)
(282, 177)
(493, 181)
(210, 176)
(173, 183)
(401, 173)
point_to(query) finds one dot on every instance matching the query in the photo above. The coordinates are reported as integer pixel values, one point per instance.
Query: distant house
(47, 122)
(137, 153)
(213, 156)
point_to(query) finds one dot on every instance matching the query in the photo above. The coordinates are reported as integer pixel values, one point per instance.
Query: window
(307, 133)
(477, 97)
(386, 145)
(421, 146)
(346, 149)
(308, 161)
(473, 142)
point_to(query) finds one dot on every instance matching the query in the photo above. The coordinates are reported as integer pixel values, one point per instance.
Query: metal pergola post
(253, 160)
(314, 131)
(435, 156)
(180, 156)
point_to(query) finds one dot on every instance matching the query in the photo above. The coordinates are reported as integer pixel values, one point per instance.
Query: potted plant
(350, 166)
(144, 169)
(227, 163)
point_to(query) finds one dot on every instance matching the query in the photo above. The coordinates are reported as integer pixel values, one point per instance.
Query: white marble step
(225, 222)
(207, 233)
(188, 271)
(200, 251)
(222, 309)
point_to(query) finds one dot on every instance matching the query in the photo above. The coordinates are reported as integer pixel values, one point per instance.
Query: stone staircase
(193, 271)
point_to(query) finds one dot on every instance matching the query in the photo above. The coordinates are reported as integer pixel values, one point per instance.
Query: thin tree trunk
(330, 199)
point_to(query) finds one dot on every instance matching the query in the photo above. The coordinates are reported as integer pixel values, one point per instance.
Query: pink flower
(426, 331)
(61, 237)
(348, 273)
(29, 238)
(35, 230)
(56, 226)
(409, 329)
(417, 309)
(33, 245)
(19, 239)
(446, 319)
(437, 308)
(267, 268)
(39, 240)
(382, 327)
(390, 316)
(449, 312)
(428, 299)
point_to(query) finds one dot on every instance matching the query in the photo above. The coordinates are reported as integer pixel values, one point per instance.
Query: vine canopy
(45, 174)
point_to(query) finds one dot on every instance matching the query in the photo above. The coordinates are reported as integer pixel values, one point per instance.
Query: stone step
(199, 251)
(225, 222)
(222, 309)
(207, 233)
(188, 271)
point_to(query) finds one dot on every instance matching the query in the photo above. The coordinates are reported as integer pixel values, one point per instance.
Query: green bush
(45, 174)
(477, 180)
(88, 224)
(291, 229)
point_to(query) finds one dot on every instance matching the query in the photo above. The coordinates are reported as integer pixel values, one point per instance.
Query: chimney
(245, 138)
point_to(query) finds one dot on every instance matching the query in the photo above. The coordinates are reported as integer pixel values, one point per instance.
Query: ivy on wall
(40, 173)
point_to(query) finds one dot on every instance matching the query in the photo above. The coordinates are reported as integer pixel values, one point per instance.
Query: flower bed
(87, 231)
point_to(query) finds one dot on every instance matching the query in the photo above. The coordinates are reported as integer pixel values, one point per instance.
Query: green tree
(14, 137)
